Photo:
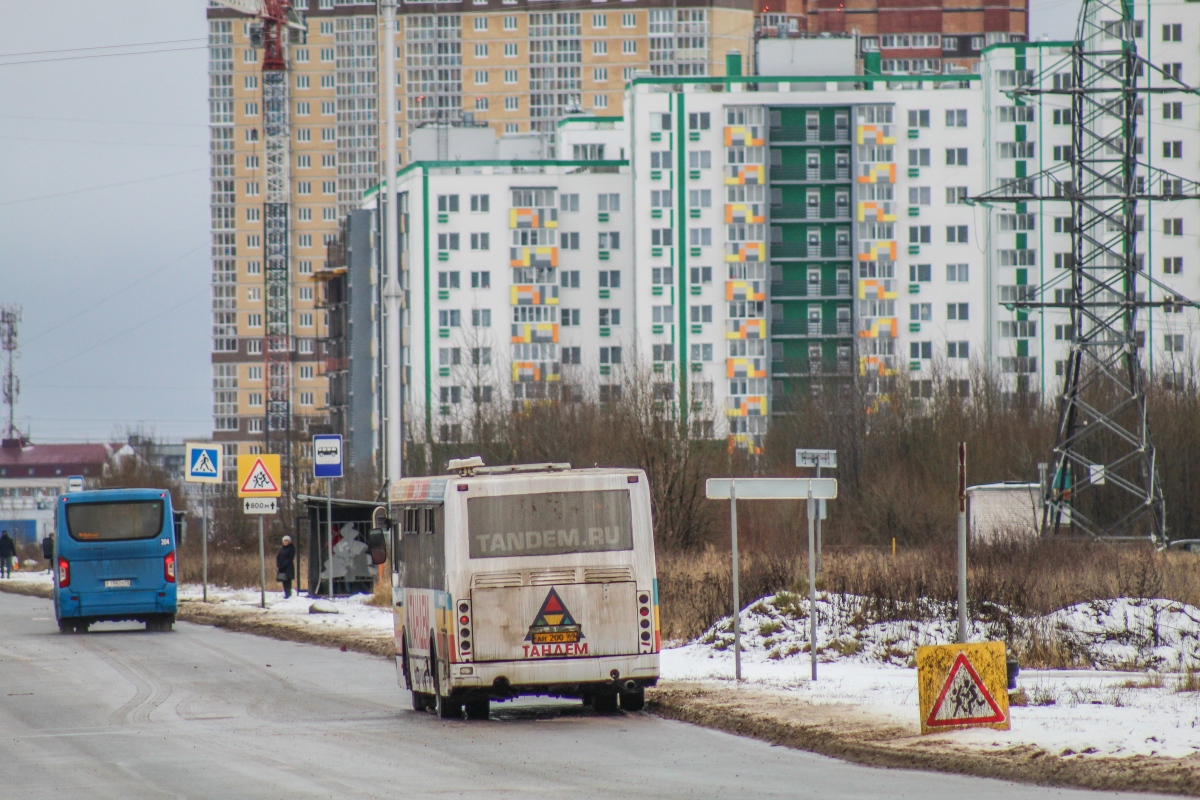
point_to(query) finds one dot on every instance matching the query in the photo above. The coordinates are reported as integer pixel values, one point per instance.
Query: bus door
(427, 609)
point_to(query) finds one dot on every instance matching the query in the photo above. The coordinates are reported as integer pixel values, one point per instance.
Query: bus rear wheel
(444, 706)
(604, 703)
(633, 701)
(478, 708)
(421, 701)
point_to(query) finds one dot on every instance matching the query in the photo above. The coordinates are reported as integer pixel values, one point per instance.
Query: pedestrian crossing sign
(258, 476)
(203, 463)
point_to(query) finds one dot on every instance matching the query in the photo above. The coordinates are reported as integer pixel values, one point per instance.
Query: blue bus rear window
(114, 522)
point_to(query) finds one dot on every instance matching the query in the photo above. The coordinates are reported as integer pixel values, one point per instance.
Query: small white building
(1010, 510)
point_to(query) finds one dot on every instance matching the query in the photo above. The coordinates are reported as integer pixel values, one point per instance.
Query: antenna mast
(10, 318)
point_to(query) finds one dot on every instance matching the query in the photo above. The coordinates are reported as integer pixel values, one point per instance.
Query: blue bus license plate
(121, 584)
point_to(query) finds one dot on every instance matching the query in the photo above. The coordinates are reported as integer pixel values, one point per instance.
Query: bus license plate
(566, 637)
(121, 584)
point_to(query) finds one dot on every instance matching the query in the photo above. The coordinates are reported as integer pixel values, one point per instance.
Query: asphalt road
(203, 713)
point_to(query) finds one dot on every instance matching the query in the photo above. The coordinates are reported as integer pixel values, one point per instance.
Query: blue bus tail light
(64, 572)
(169, 567)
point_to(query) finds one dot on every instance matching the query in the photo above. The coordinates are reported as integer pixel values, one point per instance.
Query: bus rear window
(114, 522)
(549, 524)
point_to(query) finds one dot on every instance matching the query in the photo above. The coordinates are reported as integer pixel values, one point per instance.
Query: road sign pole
(962, 541)
(812, 585)
(329, 528)
(262, 565)
(737, 602)
(204, 543)
(820, 563)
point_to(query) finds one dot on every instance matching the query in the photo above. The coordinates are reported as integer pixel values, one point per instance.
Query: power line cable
(100, 47)
(104, 186)
(103, 55)
(118, 335)
(117, 293)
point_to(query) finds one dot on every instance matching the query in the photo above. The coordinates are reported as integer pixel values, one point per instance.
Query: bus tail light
(647, 629)
(169, 567)
(463, 625)
(64, 572)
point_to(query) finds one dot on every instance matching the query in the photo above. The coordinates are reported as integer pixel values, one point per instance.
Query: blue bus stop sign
(327, 456)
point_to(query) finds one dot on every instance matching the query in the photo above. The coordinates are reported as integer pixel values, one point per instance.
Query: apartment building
(515, 66)
(805, 234)
(898, 38)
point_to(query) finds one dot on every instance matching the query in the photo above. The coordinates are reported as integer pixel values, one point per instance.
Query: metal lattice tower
(1105, 481)
(277, 343)
(10, 318)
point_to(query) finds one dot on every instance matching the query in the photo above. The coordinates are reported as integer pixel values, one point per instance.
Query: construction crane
(276, 18)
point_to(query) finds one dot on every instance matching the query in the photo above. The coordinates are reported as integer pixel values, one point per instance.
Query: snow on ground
(1091, 711)
(353, 612)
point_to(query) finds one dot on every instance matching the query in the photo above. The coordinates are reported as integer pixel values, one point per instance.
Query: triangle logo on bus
(554, 623)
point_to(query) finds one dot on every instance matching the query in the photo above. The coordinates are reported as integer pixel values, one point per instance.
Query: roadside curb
(797, 725)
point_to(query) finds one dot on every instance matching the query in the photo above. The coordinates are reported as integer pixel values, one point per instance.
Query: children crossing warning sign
(258, 476)
(963, 685)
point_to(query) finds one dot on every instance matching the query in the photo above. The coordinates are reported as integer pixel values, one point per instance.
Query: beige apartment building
(517, 66)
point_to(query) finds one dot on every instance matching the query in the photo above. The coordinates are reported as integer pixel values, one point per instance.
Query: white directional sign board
(260, 505)
(816, 458)
(75, 483)
(203, 463)
(771, 488)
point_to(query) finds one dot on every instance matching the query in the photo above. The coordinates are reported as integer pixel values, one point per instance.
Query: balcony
(810, 329)
(806, 174)
(824, 289)
(803, 250)
(831, 134)
(804, 368)
(799, 211)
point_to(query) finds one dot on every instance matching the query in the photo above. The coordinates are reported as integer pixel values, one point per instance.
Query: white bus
(524, 580)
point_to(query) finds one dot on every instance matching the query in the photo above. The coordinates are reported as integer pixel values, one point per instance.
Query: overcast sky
(104, 212)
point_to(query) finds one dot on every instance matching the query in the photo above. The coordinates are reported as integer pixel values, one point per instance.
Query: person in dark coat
(285, 562)
(8, 551)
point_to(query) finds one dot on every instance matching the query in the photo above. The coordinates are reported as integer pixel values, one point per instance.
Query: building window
(920, 234)
(957, 311)
(570, 317)
(920, 312)
(447, 241)
(610, 355)
(569, 278)
(510, 76)
(512, 103)
(448, 280)
(956, 118)
(600, 74)
(510, 23)
(600, 101)
(599, 47)
(629, 47)
(510, 50)
(481, 280)
(1173, 265)
(306, 398)
(1173, 227)
(481, 51)
(480, 241)
(956, 156)
(304, 240)
(628, 21)
(481, 104)
(918, 118)
(610, 240)
(958, 350)
(610, 317)
(918, 157)
(481, 317)
(306, 320)
(1173, 71)
(449, 318)
(327, 54)
(480, 203)
(568, 202)
(569, 240)
(956, 234)
(1172, 149)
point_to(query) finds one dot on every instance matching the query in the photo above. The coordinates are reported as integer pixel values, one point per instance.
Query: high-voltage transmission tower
(276, 17)
(10, 386)
(1105, 480)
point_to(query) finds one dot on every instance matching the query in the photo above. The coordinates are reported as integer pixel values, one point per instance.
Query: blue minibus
(115, 559)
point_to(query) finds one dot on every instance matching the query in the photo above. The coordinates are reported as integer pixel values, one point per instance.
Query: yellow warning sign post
(258, 476)
(963, 686)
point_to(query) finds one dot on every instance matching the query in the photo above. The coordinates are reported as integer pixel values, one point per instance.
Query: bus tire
(421, 701)
(478, 708)
(605, 703)
(444, 706)
(66, 626)
(633, 701)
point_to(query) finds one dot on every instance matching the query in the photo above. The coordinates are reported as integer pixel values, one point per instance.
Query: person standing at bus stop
(8, 551)
(285, 562)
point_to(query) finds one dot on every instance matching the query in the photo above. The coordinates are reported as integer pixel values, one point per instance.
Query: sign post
(808, 489)
(258, 479)
(818, 459)
(327, 464)
(204, 467)
(962, 542)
